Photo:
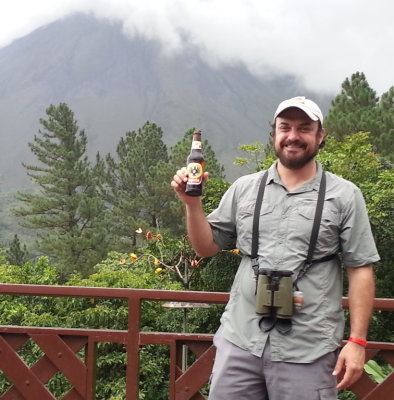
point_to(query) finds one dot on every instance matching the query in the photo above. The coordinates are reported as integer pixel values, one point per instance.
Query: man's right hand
(179, 184)
(198, 228)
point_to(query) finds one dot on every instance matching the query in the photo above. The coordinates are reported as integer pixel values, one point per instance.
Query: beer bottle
(195, 167)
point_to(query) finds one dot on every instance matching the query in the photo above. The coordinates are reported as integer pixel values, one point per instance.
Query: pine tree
(353, 109)
(357, 108)
(138, 188)
(66, 210)
(16, 254)
(384, 141)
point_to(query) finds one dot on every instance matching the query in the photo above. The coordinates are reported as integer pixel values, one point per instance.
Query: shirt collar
(313, 184)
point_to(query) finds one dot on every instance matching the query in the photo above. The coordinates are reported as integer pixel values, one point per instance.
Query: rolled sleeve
(357, 242)
(222, 221)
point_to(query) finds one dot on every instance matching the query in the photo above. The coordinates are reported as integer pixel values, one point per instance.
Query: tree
(385, 114)
(354, 159)
(357, 108)
(66, 210)
(352, 110)
(95, 313)
(16, 254)
(138, 188)
(259, 156)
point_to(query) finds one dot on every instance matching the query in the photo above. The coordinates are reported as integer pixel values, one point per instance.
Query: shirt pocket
(245, 224)
(328, 236)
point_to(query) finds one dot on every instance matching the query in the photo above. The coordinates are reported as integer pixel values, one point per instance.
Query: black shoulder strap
(314, 235)
(317, 219)
(256, 216)
(315, 227)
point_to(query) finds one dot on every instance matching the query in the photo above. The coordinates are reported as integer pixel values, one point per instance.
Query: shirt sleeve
(222, 220)
(357, 242)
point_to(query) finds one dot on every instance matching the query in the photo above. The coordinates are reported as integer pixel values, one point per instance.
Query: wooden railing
(60, 348)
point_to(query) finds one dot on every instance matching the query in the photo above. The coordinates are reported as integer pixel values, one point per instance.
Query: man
(303, 361)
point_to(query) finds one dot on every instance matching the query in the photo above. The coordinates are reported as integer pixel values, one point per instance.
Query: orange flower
(133, 257)
(149, 235)
(158, 270)
(122, 261)
(157, 237)
(236, 251)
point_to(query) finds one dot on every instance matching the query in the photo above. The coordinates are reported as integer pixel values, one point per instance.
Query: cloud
(321, 43)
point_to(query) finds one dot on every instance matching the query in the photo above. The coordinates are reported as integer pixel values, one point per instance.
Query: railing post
(91, 363)
(133, 329)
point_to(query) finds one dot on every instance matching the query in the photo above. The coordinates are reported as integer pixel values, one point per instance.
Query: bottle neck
(197, 136)
(196, 143)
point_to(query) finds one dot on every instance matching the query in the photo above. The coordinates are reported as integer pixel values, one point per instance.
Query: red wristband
(358, 341)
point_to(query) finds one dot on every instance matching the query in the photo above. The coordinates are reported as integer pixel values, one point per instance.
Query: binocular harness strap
(256, 221)
(309, 262)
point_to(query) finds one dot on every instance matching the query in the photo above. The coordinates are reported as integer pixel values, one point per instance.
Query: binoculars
(274, 296)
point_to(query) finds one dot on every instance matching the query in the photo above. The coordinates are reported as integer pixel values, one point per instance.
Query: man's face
(296, 138)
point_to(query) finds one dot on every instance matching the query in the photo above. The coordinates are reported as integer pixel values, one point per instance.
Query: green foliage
(67, 211)
(214, 190)
(9, 225)
(255, 152)
(3, 256)
(95, 313)
(138, 187)
(352, 159)
(17, 254)
(172, 256)
(346, 395)
(351, 110)
(357, 108)
(378, 372)
(118, 270)
(260, 156)
(219, 272)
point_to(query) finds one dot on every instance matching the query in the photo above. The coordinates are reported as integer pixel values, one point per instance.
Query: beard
(297, 161)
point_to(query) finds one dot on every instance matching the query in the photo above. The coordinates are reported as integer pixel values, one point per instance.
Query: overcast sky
(321, 42)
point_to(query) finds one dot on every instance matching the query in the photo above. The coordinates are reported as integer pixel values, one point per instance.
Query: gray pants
(239, 375)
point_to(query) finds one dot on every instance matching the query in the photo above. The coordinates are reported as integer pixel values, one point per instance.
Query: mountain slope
(114, 83)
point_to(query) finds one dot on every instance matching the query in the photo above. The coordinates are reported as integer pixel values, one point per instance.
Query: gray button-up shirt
(286, 219)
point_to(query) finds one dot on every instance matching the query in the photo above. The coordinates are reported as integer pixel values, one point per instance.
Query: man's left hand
(350, 365)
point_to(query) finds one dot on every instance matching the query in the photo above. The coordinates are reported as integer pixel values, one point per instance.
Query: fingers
(179, 180)
(339, 369)
(350, 366)
(350, 376)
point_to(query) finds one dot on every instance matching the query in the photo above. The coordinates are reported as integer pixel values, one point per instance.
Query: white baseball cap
(310, 108)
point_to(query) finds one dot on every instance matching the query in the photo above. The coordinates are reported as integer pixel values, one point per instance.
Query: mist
(320, 43)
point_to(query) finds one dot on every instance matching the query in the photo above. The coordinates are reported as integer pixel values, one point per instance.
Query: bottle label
(194, 172)
(196, 145)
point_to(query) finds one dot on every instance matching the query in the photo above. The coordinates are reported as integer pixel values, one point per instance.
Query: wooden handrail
(61, 345)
